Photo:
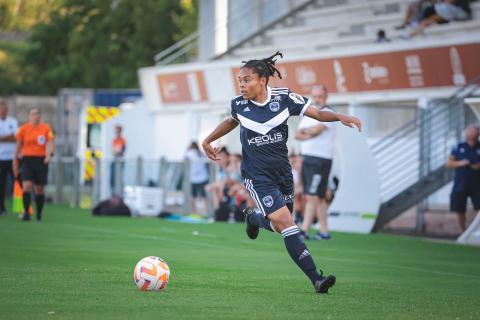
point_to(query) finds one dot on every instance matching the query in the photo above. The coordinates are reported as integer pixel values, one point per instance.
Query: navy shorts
(458, 201)
(198, 190)
(315, 173)
(271, 191)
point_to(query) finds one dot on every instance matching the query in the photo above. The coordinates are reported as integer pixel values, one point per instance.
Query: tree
(100, 43)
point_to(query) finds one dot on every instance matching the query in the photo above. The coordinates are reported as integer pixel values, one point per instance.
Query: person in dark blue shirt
(262, 113)
(465, 159)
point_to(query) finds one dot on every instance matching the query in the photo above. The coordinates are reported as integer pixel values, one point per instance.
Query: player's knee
(27, 186)
(281, 221)
(311, 198)
(39, 189)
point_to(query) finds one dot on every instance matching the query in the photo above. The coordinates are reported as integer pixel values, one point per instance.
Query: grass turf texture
(81, 267)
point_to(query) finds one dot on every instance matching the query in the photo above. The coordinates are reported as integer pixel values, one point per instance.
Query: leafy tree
(101, 43)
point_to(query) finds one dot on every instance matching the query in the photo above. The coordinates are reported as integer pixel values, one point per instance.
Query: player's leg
(39, 186)
(27, 188)
(5, 169)
(321, 211)
(282, 220)
(39, 199)
(458, 204)
(322, 217)
(27, 175)
(256, 219)
(311, 179)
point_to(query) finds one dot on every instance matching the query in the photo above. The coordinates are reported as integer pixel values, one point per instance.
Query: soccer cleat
(252, 231)
(26, 217)
(324, 283)
(322, 236)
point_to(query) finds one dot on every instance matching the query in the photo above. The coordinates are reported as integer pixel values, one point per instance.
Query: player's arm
(311, 132)
(328, 116)
(16, 156)
(222, 129)
(50, 149)
(7, 138)
(453, 163)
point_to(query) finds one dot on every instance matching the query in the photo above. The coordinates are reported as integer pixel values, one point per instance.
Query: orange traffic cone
(17, 199)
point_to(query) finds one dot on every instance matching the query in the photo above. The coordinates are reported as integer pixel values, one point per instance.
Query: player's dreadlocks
(265, 67)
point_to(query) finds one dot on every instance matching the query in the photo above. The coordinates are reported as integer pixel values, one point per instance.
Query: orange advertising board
(182, 87)
(407, 69)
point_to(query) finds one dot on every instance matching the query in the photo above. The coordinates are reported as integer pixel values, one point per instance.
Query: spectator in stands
(382, 37)
(119, 146)
(215, 188)
(8, 128)
(442, 12)
(414, 13)
(465, 159)
(316, 147)
(234, 189)
(198, 174)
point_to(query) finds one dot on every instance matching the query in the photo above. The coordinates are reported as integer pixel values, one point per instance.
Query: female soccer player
(35, 145)
(262, 113)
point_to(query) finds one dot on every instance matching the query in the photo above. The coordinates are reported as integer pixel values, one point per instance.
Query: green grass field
(74, 266)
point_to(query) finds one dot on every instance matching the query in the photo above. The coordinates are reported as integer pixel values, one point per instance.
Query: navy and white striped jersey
(264, 129)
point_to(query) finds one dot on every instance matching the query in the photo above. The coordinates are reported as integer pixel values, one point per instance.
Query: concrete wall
(20, 105)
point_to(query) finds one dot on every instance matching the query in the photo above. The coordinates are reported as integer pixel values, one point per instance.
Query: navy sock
(299, 253)
(259, 220)
(39, 201)
(26, 201)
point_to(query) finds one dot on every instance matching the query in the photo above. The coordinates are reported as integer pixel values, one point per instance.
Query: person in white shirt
(316, 147)
(8, 128)
(198, 175)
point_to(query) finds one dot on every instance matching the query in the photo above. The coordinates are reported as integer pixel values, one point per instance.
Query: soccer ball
(151, 274)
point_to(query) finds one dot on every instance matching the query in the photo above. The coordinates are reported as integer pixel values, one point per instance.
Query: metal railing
(187, 49)
(423, 144)
(67, 183)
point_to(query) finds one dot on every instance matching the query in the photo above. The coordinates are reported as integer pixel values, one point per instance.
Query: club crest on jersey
(274, 106)
(268, 201)
(296, 98)
(41, 140)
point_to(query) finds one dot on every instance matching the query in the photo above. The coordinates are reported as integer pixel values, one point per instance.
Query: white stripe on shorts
(253, 193)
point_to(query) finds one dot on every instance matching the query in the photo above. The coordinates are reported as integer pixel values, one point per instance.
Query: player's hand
(464, 162)
(47, 159)
(211, 152)
(475, 166)
(350, 121)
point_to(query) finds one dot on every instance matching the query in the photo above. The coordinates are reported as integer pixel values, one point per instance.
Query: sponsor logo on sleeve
(296, 98)
(268, 201)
